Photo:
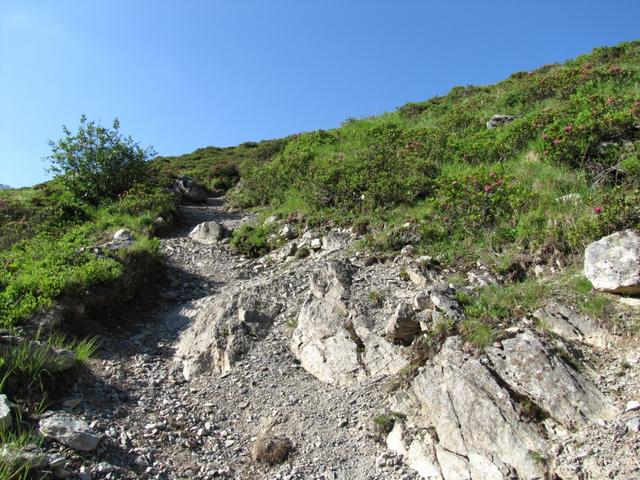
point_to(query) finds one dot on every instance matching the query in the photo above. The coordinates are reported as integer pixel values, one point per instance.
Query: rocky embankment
(304, 367)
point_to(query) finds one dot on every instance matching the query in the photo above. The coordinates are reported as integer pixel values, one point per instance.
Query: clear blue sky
(186, 74)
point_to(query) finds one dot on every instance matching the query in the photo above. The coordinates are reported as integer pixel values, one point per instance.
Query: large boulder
(190, 190)
(334, 343)
(479, 418)
(612, 264)
(208, 233)
(70, 431)
(223, 330)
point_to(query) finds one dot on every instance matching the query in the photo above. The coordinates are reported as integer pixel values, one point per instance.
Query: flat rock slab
(70, 431)
(563, 321)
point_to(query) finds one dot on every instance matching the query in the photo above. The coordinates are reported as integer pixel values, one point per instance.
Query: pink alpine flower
(597, 210)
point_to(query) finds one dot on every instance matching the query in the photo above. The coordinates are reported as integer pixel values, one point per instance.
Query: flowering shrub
(479, 199)
(588, 121)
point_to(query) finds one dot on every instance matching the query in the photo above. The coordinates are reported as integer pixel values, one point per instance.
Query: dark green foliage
(252, 240)
(142, 199)
(98, 163)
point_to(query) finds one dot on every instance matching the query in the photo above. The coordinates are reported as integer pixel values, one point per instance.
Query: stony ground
(158, 425)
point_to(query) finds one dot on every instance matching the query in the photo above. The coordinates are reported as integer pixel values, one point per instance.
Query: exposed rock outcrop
(563, 321)
(500, 120)
(403, 325)
(332, 342)
(469, 417)
(223, 330)
(612, 264)
(190, 190)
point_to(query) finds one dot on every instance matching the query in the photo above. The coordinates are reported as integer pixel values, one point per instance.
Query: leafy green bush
(479, 198)
(141, 199)
(252, 240)
(98, 163)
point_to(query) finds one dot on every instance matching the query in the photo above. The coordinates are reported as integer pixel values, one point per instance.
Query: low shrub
(252, 240)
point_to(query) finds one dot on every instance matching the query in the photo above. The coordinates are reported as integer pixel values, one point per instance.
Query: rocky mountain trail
(293, 357)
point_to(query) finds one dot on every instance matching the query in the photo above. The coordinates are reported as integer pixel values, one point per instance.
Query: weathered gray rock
(403, 325)
(70, 431)
(288, 232)
(466, 416)
(122, 239)
(463, 423)
(421, 301)
(55, 359)
(500, 120)
(333, 282)
(189, 189)
(563, 321)
(5, 413)
(208, 233)
(612, 264)
(633, 425)
(536, 371)
(443, 298)
(331, 342)
(418, 274)
(222, 331)
(632, 406)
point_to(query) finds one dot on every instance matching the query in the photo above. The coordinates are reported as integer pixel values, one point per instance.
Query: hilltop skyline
(204, 74)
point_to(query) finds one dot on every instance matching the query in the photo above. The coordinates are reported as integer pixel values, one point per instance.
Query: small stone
(72, 403)
(633, 425)
(632, 406)
(70, 431)
(316, 244)
(288, 232)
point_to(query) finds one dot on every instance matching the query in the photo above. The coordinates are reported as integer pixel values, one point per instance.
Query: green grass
(386, 421)
(477, 333)
(253, 240)
(45, 231)
(16, 440)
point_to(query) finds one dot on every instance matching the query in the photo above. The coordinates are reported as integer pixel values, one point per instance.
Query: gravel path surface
(158, 425)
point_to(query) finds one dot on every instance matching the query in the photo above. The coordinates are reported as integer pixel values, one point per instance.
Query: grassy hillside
(563, 173)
